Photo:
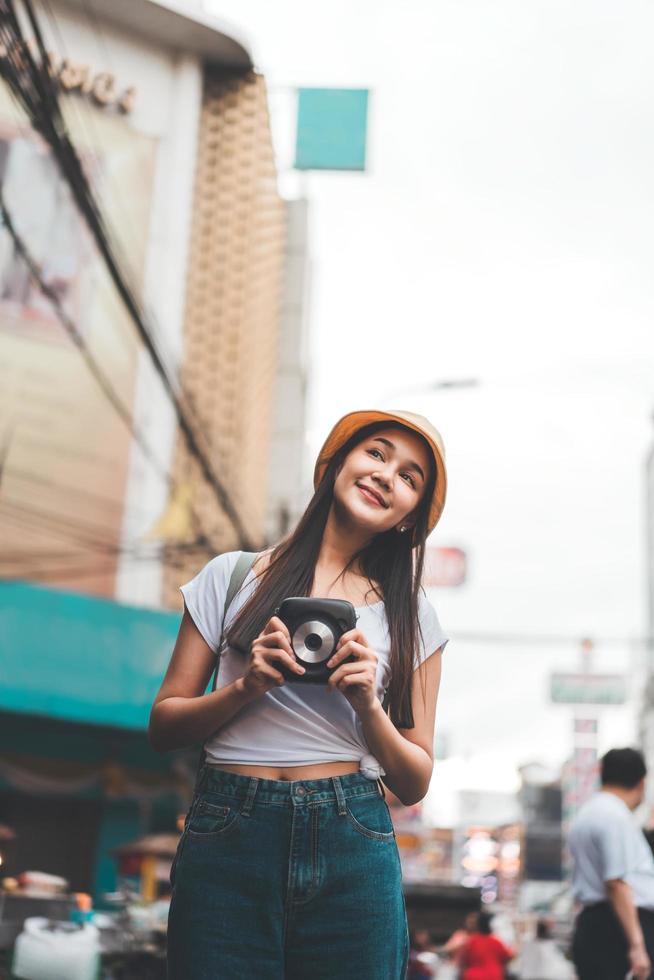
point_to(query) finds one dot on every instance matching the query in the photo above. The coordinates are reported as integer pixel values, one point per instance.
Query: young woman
(287, 867)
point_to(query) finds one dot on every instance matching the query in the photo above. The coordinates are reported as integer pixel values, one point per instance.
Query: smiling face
(383, 480)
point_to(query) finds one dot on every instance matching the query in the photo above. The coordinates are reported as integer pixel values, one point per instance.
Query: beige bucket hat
(346, 427)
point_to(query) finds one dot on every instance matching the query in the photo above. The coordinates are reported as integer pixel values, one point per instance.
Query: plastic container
(47, 950)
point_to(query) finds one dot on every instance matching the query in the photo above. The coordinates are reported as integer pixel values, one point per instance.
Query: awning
(76, 657)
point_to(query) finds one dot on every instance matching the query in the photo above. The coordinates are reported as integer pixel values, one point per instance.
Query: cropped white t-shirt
(295, 724)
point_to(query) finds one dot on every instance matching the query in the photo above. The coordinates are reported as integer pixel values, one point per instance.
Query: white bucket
(43, 953)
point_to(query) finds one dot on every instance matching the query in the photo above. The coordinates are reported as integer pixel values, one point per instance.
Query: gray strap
(243, 565)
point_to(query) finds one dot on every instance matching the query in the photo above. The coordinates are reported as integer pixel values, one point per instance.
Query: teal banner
(331, 129)
(80, 658)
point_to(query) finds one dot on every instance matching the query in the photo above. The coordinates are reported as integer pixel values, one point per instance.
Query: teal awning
(80, 658)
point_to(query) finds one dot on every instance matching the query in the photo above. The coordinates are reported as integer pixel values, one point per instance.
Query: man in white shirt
(613, 876)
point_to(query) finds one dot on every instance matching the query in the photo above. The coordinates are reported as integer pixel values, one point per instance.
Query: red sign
(444, 567)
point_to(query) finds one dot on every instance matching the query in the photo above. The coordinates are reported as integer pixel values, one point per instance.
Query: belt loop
(340, 798)
(249, 799)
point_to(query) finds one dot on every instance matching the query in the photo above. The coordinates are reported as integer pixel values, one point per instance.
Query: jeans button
(300, 791)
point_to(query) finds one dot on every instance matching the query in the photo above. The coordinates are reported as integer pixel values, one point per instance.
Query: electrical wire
(67, 490)
(101, 378)
(76, 336)
(544, 639)
(32, 85)
(31, 518)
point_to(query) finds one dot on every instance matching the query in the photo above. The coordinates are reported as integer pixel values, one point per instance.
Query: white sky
(505, 231)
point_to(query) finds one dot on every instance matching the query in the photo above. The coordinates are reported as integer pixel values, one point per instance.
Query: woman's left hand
(357, 681)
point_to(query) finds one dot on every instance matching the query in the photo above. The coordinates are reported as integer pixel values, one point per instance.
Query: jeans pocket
(209, 819)
(370, 817)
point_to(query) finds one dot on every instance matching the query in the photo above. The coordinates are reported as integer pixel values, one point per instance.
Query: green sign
(588, 688)
(331, 129)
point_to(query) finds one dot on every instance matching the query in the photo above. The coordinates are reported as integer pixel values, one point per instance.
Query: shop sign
(586, 688)
(444, 568)
(74, 76)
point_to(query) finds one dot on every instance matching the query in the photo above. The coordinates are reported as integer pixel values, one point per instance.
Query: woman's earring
(402, 529)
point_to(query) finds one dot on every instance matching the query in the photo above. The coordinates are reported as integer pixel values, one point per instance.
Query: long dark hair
(393, 561)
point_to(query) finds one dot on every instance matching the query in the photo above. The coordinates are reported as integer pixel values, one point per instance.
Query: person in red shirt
(484, 955)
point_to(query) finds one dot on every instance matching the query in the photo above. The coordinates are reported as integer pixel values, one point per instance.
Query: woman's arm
(182, 714)
(406, 755)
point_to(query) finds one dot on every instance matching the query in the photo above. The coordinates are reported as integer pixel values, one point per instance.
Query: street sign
(584, 726)
(331, 129)
(585, 688)
(444, 568)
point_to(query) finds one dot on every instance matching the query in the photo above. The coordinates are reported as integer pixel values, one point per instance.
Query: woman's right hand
(272, 648)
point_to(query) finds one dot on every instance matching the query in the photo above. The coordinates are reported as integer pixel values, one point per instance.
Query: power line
(102, 379)
(545, 639)
(75, 334)
(32, 85)
(34, 519)
(27, 476)
(87, 122)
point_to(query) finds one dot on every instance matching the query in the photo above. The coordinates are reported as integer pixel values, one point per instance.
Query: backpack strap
(244, 563)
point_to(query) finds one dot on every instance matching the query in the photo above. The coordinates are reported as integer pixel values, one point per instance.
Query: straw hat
(346, 427)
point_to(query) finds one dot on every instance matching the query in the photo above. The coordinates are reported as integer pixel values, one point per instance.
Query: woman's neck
(340, 541)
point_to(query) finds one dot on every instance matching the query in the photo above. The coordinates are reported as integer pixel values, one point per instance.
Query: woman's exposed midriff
(322, 770)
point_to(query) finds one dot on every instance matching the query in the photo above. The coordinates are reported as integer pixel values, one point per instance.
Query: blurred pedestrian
(288, 864)
(423, 961)
(484, 955)
(453, 948)
(541, 959)
(613, 876)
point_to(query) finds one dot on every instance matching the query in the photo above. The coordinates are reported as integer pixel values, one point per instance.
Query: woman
(484, 956)
(287, 867)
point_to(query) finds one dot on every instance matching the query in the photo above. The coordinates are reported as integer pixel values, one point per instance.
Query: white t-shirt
(296, 724)
(606, 844)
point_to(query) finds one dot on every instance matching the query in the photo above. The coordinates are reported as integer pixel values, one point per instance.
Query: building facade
(101, 520)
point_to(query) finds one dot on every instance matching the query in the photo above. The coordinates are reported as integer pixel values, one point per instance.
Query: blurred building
(541, 799)
(172, 126)
(287, 494)
(647, 708)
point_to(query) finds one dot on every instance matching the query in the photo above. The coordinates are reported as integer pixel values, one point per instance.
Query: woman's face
(383, 479)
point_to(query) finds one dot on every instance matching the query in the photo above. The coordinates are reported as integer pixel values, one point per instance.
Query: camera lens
(313, 641)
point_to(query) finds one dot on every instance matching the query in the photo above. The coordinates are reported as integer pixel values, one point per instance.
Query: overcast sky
(504, 230)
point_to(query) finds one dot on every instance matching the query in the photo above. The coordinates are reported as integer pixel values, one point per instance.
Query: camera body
(316, 626)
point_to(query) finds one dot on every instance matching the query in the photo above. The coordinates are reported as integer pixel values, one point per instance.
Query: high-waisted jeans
(279, 880)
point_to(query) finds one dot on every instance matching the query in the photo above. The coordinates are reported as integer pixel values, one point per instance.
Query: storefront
(77, 775)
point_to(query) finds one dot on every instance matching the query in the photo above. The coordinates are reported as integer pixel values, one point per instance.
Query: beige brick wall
(232, 313)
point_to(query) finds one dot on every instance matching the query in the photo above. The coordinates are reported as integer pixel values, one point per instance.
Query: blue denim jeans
(279, 880)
